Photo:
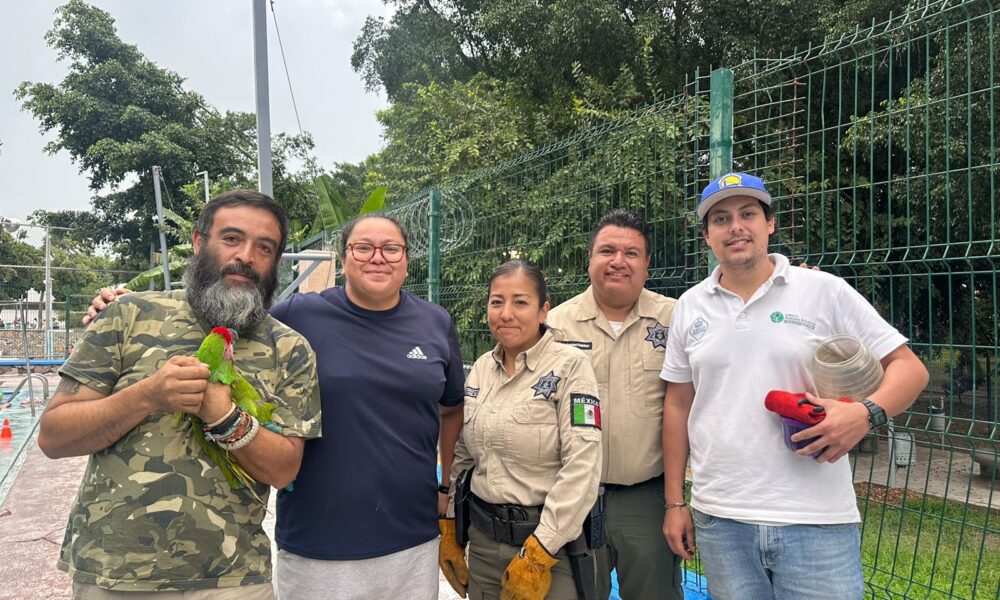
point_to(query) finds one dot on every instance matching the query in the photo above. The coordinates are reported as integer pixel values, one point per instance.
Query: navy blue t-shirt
(368, 487)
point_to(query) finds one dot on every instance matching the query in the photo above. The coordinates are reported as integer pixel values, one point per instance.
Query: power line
(288, 76)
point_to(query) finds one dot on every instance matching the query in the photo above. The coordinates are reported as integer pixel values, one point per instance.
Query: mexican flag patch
(586, 410)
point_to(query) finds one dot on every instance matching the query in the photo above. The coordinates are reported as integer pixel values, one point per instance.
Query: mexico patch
(586, 410)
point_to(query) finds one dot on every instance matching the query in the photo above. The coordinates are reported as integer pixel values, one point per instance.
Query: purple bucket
(790, 427)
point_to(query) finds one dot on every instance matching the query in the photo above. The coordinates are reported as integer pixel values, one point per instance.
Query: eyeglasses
(391, 253)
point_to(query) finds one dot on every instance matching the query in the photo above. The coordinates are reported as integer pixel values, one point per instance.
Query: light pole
(205, 173)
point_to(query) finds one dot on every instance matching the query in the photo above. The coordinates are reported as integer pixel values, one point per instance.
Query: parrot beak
(235, 335)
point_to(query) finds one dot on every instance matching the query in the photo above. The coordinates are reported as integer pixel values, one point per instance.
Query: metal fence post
(720, 131)
(434, 248)
(720, 134)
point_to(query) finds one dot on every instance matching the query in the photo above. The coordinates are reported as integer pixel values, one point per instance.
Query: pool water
(23, 427)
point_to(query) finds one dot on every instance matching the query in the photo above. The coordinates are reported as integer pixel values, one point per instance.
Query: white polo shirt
(736, 352)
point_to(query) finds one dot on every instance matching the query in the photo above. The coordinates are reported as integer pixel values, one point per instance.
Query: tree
(117, 114)
(539, 47)
(15, 281)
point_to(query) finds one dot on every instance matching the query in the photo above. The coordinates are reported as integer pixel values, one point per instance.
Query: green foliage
(14, 282)
(446, 130)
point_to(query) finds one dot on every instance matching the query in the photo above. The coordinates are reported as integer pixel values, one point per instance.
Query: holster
(509, 524)
(593, 525)
(463, 496)
(584, 568)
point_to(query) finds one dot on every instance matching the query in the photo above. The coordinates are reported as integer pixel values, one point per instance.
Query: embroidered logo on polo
(580, 345)
(657, 335)
(585, 411)
(547, 385)
(416, 354)
(778, 317)
(698, 328)
(472, 392)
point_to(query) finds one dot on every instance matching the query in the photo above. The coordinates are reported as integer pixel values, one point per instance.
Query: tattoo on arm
(68, 386)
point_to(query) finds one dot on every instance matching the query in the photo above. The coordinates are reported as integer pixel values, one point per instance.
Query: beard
(233, 304)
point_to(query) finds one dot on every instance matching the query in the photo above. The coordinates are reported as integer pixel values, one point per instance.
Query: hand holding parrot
(216, 351)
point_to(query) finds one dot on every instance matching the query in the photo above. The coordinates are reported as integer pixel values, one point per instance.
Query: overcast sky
(210, 45)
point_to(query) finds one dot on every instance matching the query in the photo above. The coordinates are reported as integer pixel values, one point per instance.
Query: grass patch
(916, 546)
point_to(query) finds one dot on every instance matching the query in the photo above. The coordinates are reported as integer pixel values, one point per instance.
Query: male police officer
(623, 328)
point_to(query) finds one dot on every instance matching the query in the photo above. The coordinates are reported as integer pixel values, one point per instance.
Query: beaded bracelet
(674, 505)
(243, 440)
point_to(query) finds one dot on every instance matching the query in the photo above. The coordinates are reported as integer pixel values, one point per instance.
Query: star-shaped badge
(546, 385)
(657, 335)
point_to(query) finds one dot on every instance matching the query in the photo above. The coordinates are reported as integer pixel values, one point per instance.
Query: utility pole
(48, 294)
(263, 110)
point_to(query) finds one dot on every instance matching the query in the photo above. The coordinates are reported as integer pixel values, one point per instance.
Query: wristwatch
(876, 416)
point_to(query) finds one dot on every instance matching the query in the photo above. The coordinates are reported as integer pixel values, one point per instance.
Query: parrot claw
(268, 396)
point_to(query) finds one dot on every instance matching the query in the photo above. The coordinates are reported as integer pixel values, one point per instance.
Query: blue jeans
(759, 562)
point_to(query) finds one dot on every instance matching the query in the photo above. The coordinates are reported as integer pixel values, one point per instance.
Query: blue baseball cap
(729, 185)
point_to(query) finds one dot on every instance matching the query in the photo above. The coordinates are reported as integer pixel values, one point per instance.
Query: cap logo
(730, 180)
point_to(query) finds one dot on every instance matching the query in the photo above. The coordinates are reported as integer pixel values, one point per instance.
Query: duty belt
(509, 524)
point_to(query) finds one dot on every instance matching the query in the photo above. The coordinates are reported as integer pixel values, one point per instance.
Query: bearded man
(154, 514)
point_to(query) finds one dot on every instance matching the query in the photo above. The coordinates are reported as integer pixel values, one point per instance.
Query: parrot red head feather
(226, 335)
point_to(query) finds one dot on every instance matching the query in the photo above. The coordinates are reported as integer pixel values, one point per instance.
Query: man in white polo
(770, 523)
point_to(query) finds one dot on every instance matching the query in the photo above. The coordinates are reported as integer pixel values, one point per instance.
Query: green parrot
(216, 351)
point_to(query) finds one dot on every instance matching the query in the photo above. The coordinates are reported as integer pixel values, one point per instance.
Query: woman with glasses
(361, 521)
(532, 436)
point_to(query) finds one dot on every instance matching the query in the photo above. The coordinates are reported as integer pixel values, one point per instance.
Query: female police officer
(532, 434)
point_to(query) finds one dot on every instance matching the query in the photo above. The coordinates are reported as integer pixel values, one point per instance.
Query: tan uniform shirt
(534, 438)
(627, 365)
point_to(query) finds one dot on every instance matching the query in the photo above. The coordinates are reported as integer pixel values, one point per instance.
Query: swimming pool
(23, 427)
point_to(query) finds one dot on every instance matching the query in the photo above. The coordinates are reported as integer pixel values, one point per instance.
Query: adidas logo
(417, 354)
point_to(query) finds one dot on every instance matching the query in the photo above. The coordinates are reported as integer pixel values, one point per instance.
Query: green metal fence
(880, 149)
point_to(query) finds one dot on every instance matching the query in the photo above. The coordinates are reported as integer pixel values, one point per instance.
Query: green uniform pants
(647, 568)
(488, 559)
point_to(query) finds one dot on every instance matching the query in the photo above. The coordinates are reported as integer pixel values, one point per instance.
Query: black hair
(626, 219)
(251, 198)
(768, 214)
(345, 233)
(530, 271)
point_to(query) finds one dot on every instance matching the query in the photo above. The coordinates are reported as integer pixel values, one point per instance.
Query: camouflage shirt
(153, 512)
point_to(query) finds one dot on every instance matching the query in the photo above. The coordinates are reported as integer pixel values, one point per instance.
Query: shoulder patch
(585, 410)
(576, 344)
(472, 392)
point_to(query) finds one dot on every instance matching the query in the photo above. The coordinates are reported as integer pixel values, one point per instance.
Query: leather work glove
(529, 574)
(451, 558)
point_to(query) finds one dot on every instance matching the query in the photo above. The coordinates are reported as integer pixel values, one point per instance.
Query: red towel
(795, 406)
